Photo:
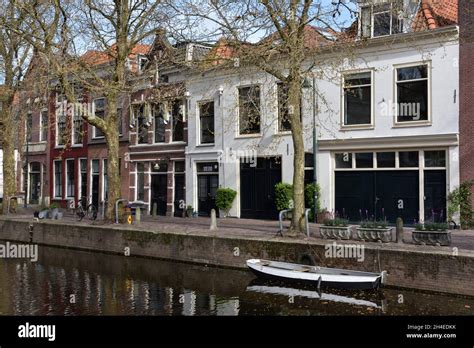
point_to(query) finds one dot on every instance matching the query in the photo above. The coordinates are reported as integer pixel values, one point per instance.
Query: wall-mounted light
(221, 90)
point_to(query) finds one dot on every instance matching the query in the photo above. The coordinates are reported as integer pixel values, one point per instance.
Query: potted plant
(224, 199)
(53, 210)
(373, 230)
(432, 233)
(190, 211)
(335, 228)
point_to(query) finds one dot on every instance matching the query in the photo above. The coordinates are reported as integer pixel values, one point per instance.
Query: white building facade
(387, 131)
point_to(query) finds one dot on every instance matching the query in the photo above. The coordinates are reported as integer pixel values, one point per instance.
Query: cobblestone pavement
(258, 229)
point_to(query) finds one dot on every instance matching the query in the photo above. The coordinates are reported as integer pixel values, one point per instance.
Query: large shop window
(58, 179)
(99, 111)
(249, 110)
(358, 99)
(412, 93)
(206, 116)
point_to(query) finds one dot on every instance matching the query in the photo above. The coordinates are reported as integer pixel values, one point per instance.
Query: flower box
(437, 238)
(335, 232)
(383, 235)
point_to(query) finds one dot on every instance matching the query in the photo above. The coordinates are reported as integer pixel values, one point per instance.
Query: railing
(286, 211)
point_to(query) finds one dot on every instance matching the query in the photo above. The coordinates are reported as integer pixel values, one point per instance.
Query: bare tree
(64, 30)
(280, 38)
(15, 52)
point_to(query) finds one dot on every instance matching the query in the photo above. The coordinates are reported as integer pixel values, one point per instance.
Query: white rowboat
(320, 276)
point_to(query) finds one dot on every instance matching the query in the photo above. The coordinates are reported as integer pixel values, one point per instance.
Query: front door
(95, 190)
(435, 195)
(207, 189)
(159, 192)
(257, 188)
(35, 188)
(179, 194)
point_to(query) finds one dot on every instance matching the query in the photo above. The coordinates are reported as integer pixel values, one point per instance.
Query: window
(206, 118)
(142, 62)
(142, 124)
(29, 127)
(308, 168)
(58, 179)
(249, 110)
(435, 158)
(283, 112)
(78, 130)
(382, 19)
(160, 124)
(385, 159)
(83, 177)
(412, 93)
(44, 122)
(99, 111)
(364, 160)
(179, 167)
(140, 182)
(70, 176)
(344, 160)
(178, 120)
(408, 159)
(105, 180)
(358, 99)
(61, 119)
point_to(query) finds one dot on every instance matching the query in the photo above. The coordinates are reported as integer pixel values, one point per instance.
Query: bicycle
(90, 212)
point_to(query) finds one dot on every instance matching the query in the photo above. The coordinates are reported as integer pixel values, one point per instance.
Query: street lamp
(308, 84)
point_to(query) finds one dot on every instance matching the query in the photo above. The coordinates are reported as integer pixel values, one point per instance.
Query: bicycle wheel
(80, 214)
(91, 212)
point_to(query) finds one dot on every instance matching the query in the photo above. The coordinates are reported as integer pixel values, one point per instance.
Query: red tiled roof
(436, 13)
(94, 57)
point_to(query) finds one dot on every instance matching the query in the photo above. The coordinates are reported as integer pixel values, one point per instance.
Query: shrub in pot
(336, 228)
(224, 199)
(432, 233)
(189, 211)
(374, 231)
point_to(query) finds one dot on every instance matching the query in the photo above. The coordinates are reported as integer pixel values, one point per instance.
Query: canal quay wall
(408, 266)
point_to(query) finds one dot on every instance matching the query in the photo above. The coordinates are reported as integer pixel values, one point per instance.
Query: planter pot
(335, 232)
(432, 237)
(190, 212)
(383, 235)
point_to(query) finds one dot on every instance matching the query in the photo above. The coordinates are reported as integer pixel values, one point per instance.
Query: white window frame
(55, 195)
(103, 176)
(428, 121)
(79, 176)
(253, 135)
(171, 120)
(152, 110)
(41, 133)
(370, 125)
(94, 129)
(56, 121)
(198, 125)
(69, 160)
(141, 57)
(372, 19)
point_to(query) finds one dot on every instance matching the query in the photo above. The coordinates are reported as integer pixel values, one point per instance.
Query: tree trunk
(294, 100)
(113, 169)
(8, 146)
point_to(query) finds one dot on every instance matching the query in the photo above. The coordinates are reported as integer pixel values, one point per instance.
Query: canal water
(69, 282)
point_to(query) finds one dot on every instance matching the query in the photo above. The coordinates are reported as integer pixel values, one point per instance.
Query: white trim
(251, 135)
(54, 180)
(79, 181)
(198, 123)
(370, 125)
(94, 136)
(69, 160)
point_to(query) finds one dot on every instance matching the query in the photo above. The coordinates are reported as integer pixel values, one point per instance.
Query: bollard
(138, 213)
(155, 209)
(213, 220)
(399, 230)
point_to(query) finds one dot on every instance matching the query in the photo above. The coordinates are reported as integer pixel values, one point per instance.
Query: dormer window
(142, 62)
(382, 19)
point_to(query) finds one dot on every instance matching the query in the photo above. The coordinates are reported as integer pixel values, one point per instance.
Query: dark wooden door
(435, 195)
(179, 194)
(95, 190)
(257, 188)
(377, 195)
(159, 191)
(207, 189)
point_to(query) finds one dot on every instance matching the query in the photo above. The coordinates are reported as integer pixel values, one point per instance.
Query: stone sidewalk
(247, 228)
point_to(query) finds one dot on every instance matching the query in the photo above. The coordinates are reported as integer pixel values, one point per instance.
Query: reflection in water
(67, 282)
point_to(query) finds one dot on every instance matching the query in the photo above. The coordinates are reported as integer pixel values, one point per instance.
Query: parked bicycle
(90, 211)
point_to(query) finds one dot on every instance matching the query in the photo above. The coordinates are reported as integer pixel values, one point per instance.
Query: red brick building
(466, 90)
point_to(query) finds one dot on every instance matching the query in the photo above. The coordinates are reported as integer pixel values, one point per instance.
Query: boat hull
(316, 276)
